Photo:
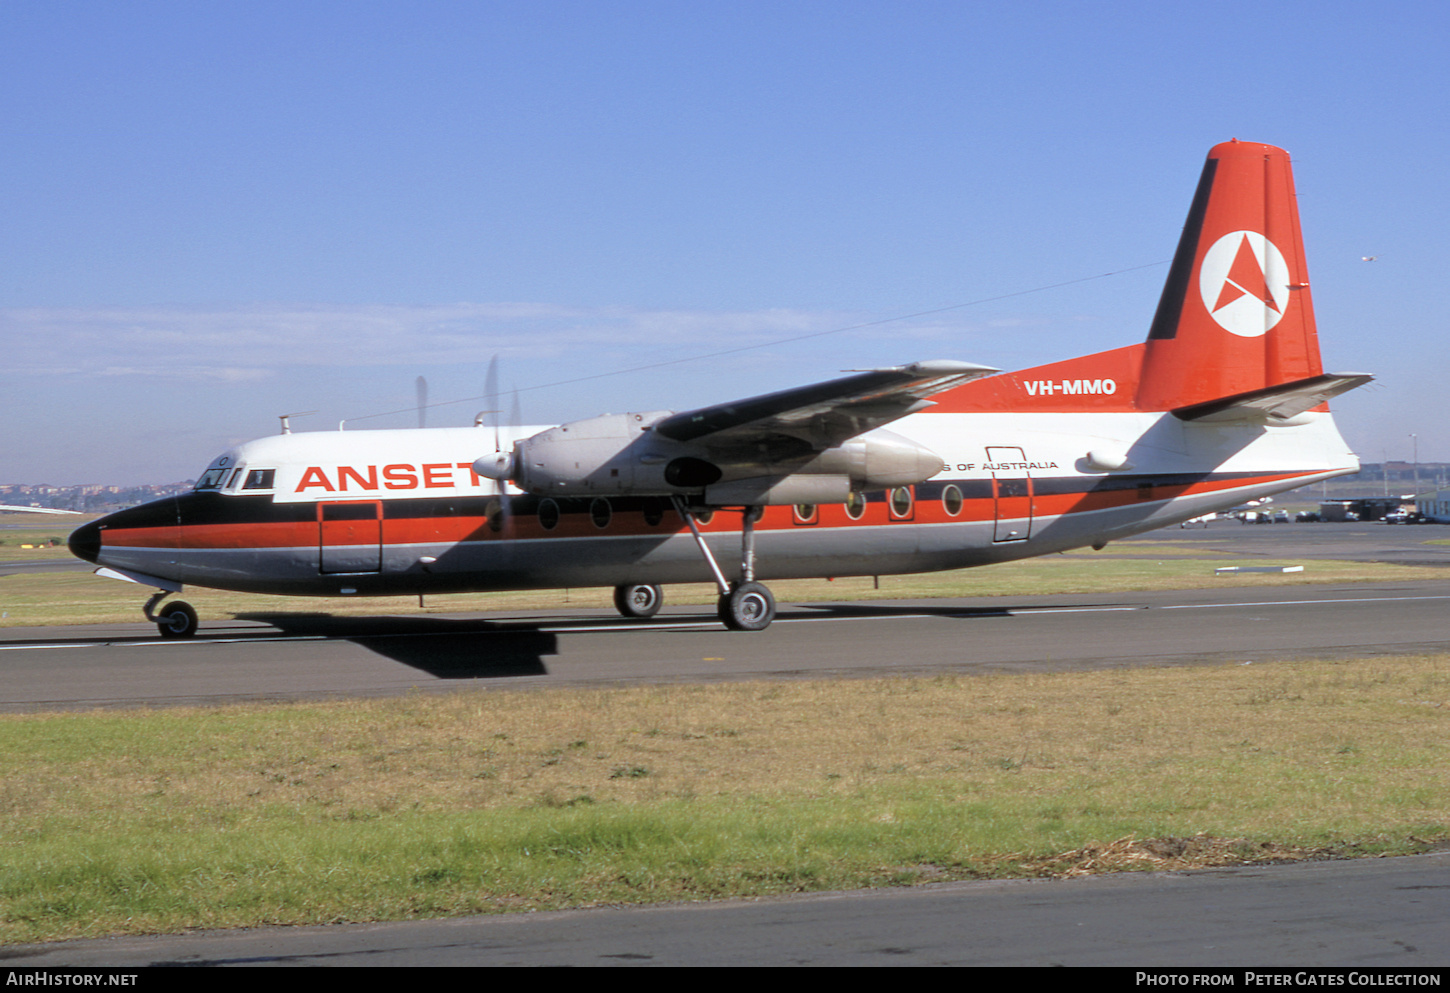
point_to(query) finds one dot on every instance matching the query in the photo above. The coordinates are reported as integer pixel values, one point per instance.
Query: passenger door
(350, 536)
(1011, 494)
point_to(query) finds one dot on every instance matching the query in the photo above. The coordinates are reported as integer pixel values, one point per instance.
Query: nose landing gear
(176, 620)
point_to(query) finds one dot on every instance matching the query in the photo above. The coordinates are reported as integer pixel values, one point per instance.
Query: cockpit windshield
(212, 478)
(222, 473)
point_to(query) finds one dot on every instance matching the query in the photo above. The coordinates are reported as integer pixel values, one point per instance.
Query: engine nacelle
(878, 460)
(772, 491)
(589, 457)
(617, 454)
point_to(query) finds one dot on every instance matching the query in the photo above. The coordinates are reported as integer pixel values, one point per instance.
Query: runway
(296, 656)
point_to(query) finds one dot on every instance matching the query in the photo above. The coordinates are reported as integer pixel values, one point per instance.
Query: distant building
(1361, 509)
(1435, 506)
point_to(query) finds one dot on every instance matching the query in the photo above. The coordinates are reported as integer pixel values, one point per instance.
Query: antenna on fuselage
(286, 427)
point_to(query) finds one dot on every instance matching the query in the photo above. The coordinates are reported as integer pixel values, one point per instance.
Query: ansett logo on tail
(1245, 283)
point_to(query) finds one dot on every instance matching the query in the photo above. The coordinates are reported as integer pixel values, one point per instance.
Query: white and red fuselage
(1222, 404)
(387, 512)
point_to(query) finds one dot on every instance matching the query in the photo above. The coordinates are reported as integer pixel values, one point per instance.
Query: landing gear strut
(176, 620)
(745, 605)
(638, 601)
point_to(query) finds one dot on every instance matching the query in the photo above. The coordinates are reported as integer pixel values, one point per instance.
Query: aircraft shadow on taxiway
(445, 648)
(453, 648)
(477, 648)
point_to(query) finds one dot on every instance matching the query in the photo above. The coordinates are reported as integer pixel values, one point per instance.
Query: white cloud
(249, 341)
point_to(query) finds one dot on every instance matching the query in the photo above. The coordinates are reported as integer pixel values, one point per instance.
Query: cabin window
(548, 515)
(805, 513)
(901, 501)
(951, 500)
(259, 479)
(654, 511)
(600, 512)
(855, 505)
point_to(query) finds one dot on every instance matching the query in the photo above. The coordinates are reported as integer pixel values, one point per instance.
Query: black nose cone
(85, 541)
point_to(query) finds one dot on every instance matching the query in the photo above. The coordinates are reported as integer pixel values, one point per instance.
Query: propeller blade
(490, 395)
(422, 401)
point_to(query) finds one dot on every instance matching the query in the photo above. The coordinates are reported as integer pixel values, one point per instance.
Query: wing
(823, 414)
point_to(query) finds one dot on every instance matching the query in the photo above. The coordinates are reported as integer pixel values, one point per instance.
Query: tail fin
(1236, 315)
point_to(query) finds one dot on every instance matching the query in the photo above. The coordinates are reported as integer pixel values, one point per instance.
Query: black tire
(747, 607)
(177, 620)
(639, 601)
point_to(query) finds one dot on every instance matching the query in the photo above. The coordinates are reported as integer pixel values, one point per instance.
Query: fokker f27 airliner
(931, 465)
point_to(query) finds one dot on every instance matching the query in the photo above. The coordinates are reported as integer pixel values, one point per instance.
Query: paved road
(1386, 913)
(1403, 544)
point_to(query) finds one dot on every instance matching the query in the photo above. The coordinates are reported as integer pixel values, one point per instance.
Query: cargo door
(1011, 494)
(350, 536)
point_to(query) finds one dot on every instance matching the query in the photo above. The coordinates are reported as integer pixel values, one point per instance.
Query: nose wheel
(175, 620)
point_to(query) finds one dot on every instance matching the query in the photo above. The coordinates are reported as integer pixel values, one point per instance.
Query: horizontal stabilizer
(16, 509)
(1275, 403)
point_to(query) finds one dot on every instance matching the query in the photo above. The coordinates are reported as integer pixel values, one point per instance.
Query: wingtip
(947, 367)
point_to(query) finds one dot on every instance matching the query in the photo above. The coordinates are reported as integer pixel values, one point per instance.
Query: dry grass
(1309, 725)
(488, 801)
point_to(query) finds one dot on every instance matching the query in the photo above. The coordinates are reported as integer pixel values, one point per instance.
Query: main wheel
(638, 601)
(747, 607)
(177, 620)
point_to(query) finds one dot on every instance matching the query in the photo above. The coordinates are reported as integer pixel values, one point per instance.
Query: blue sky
(217, 213)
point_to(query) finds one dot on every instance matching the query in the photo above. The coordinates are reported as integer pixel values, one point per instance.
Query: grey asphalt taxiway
(301, 656)
(1379, 912)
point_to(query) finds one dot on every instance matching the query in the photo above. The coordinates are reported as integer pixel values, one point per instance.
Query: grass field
(499, 801)
(495, 801)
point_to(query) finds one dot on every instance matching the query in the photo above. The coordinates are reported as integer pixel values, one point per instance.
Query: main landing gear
(175, 620)
(638, 601)
(745, 605)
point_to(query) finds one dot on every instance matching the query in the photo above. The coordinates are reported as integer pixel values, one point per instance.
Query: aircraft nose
(85, 541)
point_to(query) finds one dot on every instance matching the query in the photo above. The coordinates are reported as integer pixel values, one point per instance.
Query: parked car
(1403, 517)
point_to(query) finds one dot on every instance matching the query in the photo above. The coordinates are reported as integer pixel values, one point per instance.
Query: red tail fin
(1235, 315)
